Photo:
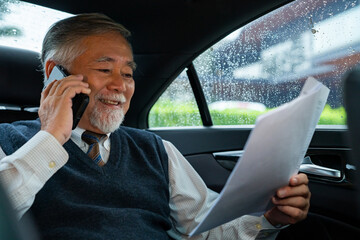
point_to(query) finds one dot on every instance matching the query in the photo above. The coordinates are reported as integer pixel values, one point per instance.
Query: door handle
(229, 159)
(307, 166)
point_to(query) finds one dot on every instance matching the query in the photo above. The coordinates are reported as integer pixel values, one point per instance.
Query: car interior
(351, 86)
(167, 36)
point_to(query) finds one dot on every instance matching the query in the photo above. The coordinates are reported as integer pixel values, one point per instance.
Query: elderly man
(106, 181)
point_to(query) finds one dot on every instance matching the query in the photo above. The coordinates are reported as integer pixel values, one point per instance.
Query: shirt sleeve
(190, 199)
(26, 171)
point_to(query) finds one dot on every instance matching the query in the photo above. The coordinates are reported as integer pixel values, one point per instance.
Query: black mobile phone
(79, 102)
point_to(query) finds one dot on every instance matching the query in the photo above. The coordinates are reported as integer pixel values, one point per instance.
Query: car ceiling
(167, 35)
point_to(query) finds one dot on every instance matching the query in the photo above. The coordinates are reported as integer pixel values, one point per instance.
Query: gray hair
(62, 41)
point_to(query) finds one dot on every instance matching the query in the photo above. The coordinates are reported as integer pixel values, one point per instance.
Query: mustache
(116, 97)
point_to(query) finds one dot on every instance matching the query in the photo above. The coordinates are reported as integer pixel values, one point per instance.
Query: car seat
(20, 84)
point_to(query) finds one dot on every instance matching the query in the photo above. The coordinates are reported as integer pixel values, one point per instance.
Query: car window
(24, 25)
(176, 107)
(265, 63)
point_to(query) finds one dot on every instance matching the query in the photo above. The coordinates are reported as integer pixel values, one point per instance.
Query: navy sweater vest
(128, 198)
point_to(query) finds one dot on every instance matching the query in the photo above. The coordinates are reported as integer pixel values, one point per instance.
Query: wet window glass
(176, 107)
(265, 63)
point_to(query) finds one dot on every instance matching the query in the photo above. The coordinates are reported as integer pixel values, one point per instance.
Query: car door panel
(213, 152)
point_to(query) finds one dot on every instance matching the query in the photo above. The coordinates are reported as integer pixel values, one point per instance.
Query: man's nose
(117, 83)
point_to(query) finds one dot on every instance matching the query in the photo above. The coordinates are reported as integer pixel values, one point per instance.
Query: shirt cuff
(43, 154)
(266, 229)
(267, 225)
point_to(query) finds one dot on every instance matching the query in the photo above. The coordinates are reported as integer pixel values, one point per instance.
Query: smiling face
(107, 65)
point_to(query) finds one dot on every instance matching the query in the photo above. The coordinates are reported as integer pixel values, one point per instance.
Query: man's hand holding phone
(56, 105)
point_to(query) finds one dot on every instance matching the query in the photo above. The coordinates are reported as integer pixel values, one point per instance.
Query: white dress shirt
(26, 171)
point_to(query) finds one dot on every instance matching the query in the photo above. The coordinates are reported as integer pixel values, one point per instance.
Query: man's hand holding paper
(269, 165)
(291, 202)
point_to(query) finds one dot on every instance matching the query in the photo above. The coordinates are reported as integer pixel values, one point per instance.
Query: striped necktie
(93, 139)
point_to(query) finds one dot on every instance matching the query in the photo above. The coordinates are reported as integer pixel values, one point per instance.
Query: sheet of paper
(272, 154)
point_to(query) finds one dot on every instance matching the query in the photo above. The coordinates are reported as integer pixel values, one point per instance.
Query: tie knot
(91, 137)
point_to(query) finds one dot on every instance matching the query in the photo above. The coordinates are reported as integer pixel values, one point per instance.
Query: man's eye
(127, 75)
(104, 70)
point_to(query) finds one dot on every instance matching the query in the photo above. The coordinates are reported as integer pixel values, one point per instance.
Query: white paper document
(272, 154)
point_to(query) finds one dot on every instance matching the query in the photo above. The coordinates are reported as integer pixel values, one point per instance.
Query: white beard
(107, 120)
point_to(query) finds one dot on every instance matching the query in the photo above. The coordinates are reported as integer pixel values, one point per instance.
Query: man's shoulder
(14, 135)
(23, 126)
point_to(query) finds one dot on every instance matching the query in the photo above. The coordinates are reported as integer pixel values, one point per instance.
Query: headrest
(20, 77)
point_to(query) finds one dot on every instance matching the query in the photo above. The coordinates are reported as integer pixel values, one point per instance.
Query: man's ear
(49, 65)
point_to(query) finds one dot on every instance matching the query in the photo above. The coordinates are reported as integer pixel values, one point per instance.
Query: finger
(46, 91)
(299, 179)
(48, 87)
(288, 191)
(53, 86)
(298, 202)
(71, 92)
